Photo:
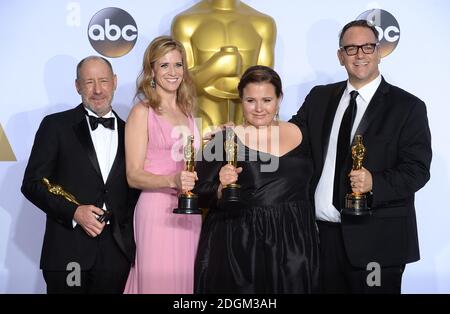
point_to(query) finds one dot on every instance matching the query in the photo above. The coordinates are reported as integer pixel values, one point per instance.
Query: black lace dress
(270, 244)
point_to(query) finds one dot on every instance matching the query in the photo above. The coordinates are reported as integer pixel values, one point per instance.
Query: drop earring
(152, 83)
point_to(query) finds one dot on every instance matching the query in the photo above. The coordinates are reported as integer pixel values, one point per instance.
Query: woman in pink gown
(156, 130)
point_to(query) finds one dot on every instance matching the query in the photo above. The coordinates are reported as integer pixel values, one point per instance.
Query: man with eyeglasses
(365, 254)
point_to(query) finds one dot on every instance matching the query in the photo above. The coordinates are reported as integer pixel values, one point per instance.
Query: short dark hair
(361, 23)
(260, 74)
(80, 64)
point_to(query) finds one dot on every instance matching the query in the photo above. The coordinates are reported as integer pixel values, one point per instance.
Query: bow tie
(106, 122)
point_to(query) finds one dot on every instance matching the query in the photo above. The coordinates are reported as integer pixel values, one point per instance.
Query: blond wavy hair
(158, 48)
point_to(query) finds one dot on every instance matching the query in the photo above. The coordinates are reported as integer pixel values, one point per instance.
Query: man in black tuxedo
(366, 254)
(82, 151)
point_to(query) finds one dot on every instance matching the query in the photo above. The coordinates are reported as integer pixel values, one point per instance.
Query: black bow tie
(106, 122)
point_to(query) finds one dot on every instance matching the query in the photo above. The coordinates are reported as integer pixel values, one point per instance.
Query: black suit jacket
(63, 152)
(398, 155)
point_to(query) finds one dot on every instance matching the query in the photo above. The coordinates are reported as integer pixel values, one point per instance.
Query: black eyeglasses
(352, 50)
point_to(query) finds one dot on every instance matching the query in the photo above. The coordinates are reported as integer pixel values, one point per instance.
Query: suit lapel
(335, 98)
(373, 109)
(374, 106)
(81, 130)
(120, 154)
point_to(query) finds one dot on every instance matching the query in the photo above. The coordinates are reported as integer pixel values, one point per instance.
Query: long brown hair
(159, 47)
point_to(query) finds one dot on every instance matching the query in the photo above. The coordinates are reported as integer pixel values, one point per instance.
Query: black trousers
(108, 274)
(337, 275)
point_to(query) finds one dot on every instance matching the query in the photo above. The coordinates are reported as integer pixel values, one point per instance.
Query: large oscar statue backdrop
(42, 42)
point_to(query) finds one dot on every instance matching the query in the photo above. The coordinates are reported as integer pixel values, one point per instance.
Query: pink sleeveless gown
(166, 243)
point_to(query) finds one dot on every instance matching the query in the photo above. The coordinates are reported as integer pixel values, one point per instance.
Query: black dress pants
(337, 275)
(108, 274)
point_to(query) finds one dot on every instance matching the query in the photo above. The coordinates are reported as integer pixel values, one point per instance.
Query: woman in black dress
(269, 243)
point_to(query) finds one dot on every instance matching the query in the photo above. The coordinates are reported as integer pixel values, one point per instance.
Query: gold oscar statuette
(355, 202)
(231, 193)
(222, 39)
(59, 191)
(188, 201)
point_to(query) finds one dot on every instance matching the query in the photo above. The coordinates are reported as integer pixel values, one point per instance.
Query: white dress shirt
(105, 143)
(323, 195)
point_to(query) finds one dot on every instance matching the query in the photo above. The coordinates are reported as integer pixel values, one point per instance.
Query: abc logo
(387, 26)
(112, 32)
